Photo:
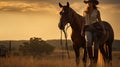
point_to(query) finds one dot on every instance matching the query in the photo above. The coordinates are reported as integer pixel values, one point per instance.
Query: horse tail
(110, 40)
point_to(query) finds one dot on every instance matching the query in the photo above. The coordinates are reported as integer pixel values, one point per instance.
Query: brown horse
(68, 15)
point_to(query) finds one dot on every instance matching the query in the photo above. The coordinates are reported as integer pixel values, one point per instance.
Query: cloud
(63, 1)
(26, 7)
(49, 6)
(110, 1)
(110, 8)
(13, 6)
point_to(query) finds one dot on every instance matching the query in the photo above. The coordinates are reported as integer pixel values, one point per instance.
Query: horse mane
(73, 11)
(76, 18)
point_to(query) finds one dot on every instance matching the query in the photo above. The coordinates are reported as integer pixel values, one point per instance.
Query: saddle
(95, 27)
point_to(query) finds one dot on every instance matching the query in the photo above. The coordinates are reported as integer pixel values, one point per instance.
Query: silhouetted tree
(36, 46)
(3, 51)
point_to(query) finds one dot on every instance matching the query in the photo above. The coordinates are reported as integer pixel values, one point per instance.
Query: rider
(91, 15)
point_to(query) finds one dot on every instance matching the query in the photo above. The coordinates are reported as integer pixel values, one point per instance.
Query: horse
(104, 41)
(68, 15)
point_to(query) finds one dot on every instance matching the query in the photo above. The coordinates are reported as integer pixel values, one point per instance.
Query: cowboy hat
(91, 1)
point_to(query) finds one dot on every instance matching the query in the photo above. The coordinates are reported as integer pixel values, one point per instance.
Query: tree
(3, 51)
(36, 46)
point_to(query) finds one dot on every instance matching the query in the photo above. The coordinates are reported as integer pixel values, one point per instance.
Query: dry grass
(51, 62)
(34, 62)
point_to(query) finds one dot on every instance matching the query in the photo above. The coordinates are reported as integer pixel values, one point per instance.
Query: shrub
(36, 46)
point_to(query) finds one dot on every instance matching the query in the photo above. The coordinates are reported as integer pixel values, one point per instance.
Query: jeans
(88, 37)
(89, 40)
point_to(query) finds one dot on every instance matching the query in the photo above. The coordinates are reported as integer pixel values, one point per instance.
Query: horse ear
(60, 5)
(68, 4)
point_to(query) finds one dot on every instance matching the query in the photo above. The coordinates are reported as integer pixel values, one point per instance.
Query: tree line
(34, 47)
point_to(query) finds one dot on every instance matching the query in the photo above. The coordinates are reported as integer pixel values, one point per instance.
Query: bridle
(66, 43)
(65, 32)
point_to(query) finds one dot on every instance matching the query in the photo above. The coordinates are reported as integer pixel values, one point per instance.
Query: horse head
(64, 13)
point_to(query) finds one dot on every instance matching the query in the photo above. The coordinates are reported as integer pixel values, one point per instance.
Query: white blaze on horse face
(63, 11)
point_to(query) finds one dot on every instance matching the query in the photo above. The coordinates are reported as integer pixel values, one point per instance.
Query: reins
(66, 43)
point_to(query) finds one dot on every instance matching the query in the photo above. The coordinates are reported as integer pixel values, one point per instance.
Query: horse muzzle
(60, 25)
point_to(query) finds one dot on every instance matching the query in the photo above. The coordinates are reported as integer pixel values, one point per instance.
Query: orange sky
(22, 19)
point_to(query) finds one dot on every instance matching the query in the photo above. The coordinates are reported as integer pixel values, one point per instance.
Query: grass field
(52, 61)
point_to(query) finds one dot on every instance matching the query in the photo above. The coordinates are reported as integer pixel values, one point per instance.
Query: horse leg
(77, 54)
(85, 55)
(96, 46)
(106, 50)
(95, 55)
(109, 44)
(90, 53)
(109, 52)
(104, 53)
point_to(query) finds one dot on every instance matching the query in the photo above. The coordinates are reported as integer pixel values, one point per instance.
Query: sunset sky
(22, 19)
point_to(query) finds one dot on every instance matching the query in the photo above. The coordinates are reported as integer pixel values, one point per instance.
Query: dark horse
(104, 41)
(68, 15)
